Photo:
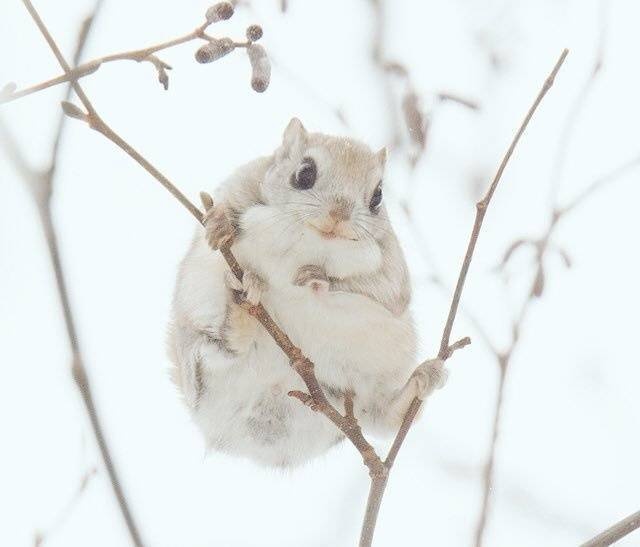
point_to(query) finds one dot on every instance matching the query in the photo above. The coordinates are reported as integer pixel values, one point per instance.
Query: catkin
(214, 50)
(261, 67)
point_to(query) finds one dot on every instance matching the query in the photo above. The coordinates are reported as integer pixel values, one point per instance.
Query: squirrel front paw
(219, 228)
(314, 277)
(252, 286)
(429, 376)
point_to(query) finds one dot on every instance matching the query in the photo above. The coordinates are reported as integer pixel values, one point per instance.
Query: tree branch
(541, 246)
(616, 532)
(481, 208)
(578, 104)
(446, 349)
(146, 54)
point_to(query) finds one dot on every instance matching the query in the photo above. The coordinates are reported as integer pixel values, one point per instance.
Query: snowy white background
(569, 443)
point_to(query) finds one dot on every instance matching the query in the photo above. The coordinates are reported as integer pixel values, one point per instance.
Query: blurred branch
(578, 104)
(42, 536)
(306, 88)
(599, 184)
(385, 69)
(542, 246)
(616, 532)
(214, 49)
(41, 185)
(452, 97)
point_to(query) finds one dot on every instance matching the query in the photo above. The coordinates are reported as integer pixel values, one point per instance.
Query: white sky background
(569, 447)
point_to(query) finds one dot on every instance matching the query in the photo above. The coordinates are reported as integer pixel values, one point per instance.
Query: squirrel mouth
(332, 234)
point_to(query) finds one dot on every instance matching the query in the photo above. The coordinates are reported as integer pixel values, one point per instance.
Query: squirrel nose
(341, 209)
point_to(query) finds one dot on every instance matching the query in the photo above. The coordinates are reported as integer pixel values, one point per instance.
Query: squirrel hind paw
(428, 377)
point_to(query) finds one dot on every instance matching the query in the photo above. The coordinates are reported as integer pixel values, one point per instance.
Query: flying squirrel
(309, 227)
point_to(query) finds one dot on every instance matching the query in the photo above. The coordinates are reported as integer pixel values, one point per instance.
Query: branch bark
(616, 532)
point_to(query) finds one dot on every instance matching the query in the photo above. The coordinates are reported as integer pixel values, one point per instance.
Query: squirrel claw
(429, 376)
(252, 286)
(220, 230)
(314, 277)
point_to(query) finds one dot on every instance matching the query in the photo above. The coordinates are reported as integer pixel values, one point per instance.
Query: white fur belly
(245, 410)
(354, 342)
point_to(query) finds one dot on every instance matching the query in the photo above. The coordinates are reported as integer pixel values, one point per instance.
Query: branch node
(74, 111)
(305, 399)
(459, 344)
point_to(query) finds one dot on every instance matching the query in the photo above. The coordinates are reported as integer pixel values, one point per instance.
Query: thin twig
(378, 45)
(42, 536)
(78, 369)
(504, 357)
(455, 98)
(542, 245)
(446, 348)
(616, 532)
(146, 54)
(578, 104)
(598, 184)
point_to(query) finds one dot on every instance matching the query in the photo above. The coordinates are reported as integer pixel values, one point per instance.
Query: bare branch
(146, 54)
(481, 209)
(616, 532)
(445, 346)
(542, 245)
(488, 473)
(454, 98)
(599, 183)
(578, 104)
(42, 536)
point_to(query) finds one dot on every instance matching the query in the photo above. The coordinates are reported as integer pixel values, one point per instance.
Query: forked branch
(446, 348)
(213, 49)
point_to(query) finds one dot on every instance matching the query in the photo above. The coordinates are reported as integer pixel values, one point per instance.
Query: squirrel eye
(305, 177)
(376, 199)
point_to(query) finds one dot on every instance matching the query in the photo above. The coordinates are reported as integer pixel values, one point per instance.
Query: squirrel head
(333, 184)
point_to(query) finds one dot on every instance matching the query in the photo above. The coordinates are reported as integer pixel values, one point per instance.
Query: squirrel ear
(294, 139)
(381, 156)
